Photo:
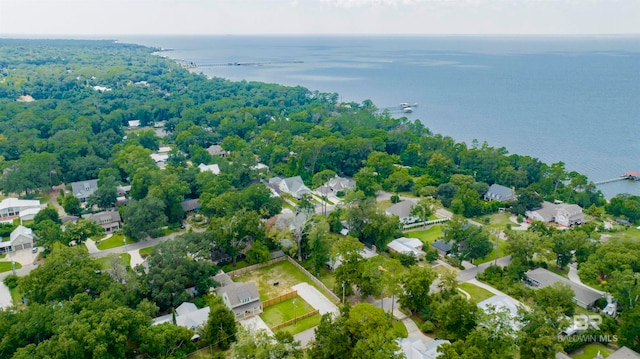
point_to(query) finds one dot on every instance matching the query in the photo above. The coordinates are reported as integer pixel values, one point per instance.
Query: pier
(626, 176)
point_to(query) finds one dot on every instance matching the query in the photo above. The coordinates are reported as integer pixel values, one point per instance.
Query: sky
(187, 17)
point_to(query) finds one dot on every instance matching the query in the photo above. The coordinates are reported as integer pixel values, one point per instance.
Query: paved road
(471, 273)
(574, 277)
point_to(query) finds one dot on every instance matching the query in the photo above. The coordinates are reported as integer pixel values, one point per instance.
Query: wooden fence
(315, 280)
(278, 299)
(296, 319)
(250, 268)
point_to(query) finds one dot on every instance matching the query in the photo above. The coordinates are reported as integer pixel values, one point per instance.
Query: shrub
(395, 198)
(11, 281)
(520, 219)
(427, 327)
(432, 255)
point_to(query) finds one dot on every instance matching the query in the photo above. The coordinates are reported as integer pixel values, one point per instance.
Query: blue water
(570, 99)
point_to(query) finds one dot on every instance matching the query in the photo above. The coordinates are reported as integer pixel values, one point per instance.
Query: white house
(214, 168)
(188, 316)
(416, 349)
(562, 213)
(335, 185)
(403, 211)
(20, 238)
(292, 185)
(407, 246)
(242, 298)
(12, 208)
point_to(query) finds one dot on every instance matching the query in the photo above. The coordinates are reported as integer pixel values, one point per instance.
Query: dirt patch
(285, 274)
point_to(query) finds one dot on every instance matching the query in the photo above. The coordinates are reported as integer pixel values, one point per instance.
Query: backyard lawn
(6, 266)
(116, 240)
(288, 310)
(477, 294)
(427, 236)
(591, 350)
(284, 273)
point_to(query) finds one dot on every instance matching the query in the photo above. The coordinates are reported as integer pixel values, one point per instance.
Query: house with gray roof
(190, 205)
(416, 349)
(407, 246)
(624, 353)
(403, 211)
(188, 316)
(442, 247)
(109, 220)
(292, 185)
(564, 214)
(541, 278)
(503, 303)
(217, 150)
(21, 238)
(82, 190)
(335, 185)
(500, 193)
(242, 298)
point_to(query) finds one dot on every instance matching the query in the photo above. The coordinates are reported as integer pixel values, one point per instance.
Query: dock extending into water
(626, 176)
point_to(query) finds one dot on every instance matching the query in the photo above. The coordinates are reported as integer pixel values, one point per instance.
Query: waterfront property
(561, 213)
(500, 193)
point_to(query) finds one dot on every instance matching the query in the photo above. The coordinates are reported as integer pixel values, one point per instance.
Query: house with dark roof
(190, 205)
(442, 247)
(292, 185)
(82, 190)
(242, 298)
(403, 211)
(584, 296)
(500, 193)
(109, 220)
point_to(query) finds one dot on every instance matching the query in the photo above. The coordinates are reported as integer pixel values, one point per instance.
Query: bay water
(571, 99)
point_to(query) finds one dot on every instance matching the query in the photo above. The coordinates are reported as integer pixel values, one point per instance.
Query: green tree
(457, 316)
(259, 253)
(71, 204)
(220, 330)
(78, 232)
(143, 217)
(47, 213)
(538, 338)
(166, 341)
(260, 345)
(558, 296)
(416, 284)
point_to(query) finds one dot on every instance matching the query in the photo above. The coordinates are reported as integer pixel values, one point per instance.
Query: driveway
(254, 324)
(316, 299)
(5, 296)
(471, 273)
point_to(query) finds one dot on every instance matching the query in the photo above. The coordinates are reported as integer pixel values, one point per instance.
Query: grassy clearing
(477, 294)
(285, 273)
(629, 233)
(427, 236)
(399, 328)
(287, 310)
(144, 252)
(16, 296)
(498, 220)
(382, 205)
(105, 262)
(302, 325)
(591, 350)
(6, 266)
(502, 251)
(232, 267)
(116, 240)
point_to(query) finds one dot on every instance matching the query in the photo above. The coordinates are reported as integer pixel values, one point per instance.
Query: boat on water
(406, 107)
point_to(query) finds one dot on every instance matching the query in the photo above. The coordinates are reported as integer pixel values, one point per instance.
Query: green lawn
(382, 205)
(427, 236)
(238, 265)
(502, 251)
(6, 266)
(116, 240)
(591, 350)
(284, 311)
(498, 220)
(144, 252)
(16, 296)
(631, 233)
(477, 294)
(105, 262)
(302, 325)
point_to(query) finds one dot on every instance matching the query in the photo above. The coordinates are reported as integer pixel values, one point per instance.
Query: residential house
(217, 150)
(407, 246)
(190, 205)
(442, 247)
(260, 167)
(121, 193)
(624, 353)
(12, 208)
(214, 168)
(561, 213)
(503, 303)
(584, 296)
(403, 211)
(109, 220)
(187, 315)
(500, 193)
(336, 262)
(21, 238)
(159, 158)
(292, 185)
(134, 123)
(416, 349)
(335, 185)
(82, 190)
(28, 214)
(242, 298)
